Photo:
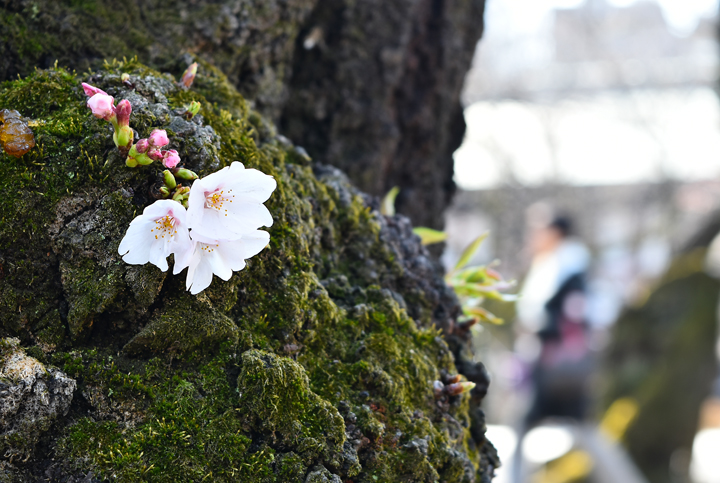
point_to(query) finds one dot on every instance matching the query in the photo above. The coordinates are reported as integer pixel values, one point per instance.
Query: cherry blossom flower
(155, 154)
(142, 146)
(158, 138)
(100, 103)
(170, 158)
(102, 106)
(158, 232)
(123, 136)
(229, 203)
(123, 110)
(208, 256)
(92, 90)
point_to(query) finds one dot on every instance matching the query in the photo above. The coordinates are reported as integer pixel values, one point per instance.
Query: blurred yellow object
(428, 236)
(573, 466)
(618, 417)
(387, 206)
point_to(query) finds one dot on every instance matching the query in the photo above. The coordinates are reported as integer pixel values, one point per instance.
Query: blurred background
(592, 158)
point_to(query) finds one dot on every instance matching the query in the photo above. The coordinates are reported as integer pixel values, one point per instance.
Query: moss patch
(315, 361)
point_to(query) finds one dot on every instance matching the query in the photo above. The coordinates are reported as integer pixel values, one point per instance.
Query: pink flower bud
(459, 388)
(123, 110)
(142, 146)
(101, 106)
(92, 90)
(189, 75)
(452, 379)
(158, 138)
(170, 158)
(155, 154)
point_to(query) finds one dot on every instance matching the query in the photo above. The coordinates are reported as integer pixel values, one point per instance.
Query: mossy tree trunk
(315, 363)
(371, 87)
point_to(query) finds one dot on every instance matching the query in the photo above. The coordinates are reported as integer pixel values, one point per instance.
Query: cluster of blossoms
(211, 227)
(145, 151)
(103, 106)
(215, 235)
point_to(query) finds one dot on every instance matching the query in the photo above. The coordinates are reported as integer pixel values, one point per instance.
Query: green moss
(276, 397)
(60, 161)
(189, 324)
(191, 430)
(255, 373)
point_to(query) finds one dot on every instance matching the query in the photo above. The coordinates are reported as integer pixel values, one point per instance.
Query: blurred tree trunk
(663, 355)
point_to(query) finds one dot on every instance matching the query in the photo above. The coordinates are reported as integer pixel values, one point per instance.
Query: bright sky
(625, 137)
(682, 15)
(529, 16)
(614, 138)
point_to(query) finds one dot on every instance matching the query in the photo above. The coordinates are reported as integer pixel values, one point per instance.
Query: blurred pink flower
(170, 159)
(158, 138)
(189, 75)
(92, 90)
(142, 146)
(101, 106)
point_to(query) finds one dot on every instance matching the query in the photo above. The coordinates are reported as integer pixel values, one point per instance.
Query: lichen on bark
(314, 363)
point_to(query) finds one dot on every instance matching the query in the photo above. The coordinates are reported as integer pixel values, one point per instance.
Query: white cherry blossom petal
(235, 252)
(252, 183)
(135, 238)
(157, 256)
(228, 203)
(232, 224)
(254, 243)
(219, 257)
(214, 259)
(199, 276)
(183, 258)
(158, 232)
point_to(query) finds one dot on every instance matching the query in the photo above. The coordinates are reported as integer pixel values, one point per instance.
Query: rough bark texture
(315, 363)
(663, 356)
(251, 41)
(375, 90)
(32, 397)
(377, 94)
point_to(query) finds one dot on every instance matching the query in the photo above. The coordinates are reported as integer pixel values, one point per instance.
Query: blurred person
(551, 326)
(552, 310)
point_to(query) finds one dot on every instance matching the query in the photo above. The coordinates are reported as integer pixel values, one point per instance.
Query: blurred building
(607, 113)
(590, 49)
(603, 110)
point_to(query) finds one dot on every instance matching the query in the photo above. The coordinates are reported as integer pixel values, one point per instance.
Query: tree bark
(321, 361)
(375, 91)
(375, 94)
